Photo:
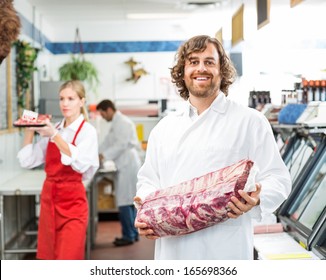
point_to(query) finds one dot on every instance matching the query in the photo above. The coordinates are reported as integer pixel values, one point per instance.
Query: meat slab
(195, 204)
(39, 121)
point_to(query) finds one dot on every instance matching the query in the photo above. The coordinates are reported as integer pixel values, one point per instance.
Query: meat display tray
(30, 125)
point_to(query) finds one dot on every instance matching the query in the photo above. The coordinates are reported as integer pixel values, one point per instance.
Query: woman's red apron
(64, 210)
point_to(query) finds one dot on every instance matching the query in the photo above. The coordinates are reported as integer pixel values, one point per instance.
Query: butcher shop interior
(127, 48)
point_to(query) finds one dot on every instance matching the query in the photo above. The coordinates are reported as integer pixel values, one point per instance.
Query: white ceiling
(107, 10)
(63, 15)
(59, 11)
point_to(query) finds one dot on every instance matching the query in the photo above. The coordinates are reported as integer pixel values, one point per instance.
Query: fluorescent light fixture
(154, 16)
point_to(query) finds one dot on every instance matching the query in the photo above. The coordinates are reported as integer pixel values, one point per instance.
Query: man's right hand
(101, 158)
(143, 228)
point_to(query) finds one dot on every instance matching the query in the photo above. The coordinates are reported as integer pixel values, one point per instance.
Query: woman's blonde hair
(79, 88)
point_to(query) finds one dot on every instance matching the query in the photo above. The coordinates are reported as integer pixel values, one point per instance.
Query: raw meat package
(198, 203)
(31, 119)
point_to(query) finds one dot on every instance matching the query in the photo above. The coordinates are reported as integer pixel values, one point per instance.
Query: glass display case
(318, 246)
(300, 150)
(302, 211)
(288, 142)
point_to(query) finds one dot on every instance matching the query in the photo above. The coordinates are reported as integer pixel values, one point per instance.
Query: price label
(29, 115)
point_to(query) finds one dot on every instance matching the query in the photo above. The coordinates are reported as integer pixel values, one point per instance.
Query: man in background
(121, 145)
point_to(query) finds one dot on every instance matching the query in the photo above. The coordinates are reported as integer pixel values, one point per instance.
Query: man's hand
(238, 208)
(143, 229)
(101, 158)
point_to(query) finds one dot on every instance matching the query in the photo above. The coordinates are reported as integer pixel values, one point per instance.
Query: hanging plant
(78, 68)
(25, 66)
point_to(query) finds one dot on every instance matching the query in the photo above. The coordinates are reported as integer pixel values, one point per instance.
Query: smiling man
(211, 133)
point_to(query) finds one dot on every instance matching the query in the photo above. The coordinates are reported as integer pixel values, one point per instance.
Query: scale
(318, 118)
(313, 115)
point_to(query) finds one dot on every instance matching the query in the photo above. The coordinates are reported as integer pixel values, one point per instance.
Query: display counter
(280, 246)
(303, 214)
(28, 184)
(110, 174)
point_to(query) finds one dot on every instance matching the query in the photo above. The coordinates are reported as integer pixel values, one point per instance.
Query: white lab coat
(180, 149)
(84, 155)
(121, 145)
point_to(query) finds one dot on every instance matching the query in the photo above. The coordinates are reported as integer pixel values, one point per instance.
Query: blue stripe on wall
(116, 47)
(96, 47)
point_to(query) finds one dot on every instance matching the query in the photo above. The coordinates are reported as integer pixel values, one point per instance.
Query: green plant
(79, 69)
(25, 66)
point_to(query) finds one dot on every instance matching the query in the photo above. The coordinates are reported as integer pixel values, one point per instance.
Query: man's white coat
(180, 149)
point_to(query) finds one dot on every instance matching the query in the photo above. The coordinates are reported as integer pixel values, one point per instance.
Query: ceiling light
(153, 16)
(206, 3)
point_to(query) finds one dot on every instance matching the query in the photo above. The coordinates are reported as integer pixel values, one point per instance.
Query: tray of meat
(31, 119)
(198, 203)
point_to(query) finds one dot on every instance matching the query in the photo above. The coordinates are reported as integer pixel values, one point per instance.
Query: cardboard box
(106, 198)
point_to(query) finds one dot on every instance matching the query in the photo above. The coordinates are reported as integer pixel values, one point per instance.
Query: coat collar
(219, 105)
(73, 126)
(116, 116)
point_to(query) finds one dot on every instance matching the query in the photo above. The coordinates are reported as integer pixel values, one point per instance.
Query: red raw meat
(195, 204)
(35, 122)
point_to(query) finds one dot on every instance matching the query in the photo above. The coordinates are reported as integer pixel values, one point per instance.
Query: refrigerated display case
(301, 150)
(318, 246)
(288, 142)
(302, 211)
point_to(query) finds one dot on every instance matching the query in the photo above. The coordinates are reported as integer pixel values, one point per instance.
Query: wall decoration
(219, 36)
(136, 73)
(295, 2)
(263, 12)
(237, 26)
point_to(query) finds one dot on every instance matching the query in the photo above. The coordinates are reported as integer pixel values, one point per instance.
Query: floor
(104, 249)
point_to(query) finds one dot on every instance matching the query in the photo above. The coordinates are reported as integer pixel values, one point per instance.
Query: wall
(267, 53)
(113, 72)
(9, 146)
(291, 45)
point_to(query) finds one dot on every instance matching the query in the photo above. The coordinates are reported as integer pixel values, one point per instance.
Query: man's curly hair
(9, 27)
(199, 44)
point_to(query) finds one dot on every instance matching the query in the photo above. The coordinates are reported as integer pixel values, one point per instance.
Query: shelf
(113, 210)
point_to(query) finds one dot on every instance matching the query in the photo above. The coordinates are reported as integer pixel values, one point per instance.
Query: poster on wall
(263, 12)
(237, 26)
(219, 36)
(295, 2)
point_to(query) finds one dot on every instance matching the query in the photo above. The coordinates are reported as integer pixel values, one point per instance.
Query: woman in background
(70, 153)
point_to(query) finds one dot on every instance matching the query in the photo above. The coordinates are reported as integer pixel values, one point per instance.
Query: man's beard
(203, 92)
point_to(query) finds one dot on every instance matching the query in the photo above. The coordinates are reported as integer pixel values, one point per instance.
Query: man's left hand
(237, 207)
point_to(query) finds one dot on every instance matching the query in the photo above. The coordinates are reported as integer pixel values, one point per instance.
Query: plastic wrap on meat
(198, 203)
(39, 121)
